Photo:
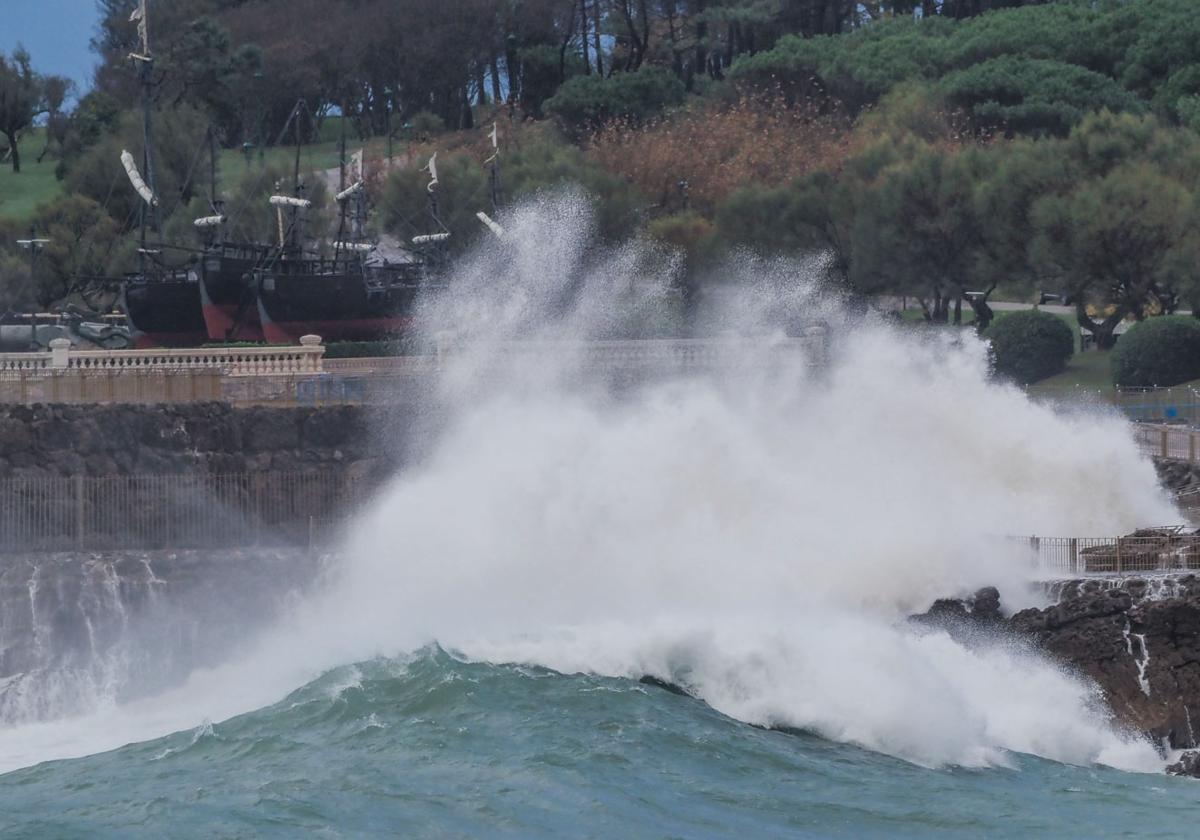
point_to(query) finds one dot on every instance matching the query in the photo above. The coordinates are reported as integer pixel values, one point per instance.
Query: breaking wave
(754, 532)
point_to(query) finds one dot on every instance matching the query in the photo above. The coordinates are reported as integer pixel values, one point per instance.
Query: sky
(56, 33)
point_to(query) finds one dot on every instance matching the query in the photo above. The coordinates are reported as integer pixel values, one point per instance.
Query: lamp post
(387, 116)
(34, 246)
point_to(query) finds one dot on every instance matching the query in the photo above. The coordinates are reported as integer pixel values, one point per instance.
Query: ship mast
(337, 244)
(494, 170)
(148, 212)
(494, 181)
(290, 241)
(297, 239)
(212, 225)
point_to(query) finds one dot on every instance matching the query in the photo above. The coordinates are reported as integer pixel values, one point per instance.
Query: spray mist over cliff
(754, 531)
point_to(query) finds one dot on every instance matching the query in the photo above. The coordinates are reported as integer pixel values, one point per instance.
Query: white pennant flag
(139, 17)
(494, 135)
(431, 168)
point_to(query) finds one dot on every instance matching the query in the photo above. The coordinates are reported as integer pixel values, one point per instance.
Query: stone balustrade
(669, 354)
(18, 363)
(267, 360)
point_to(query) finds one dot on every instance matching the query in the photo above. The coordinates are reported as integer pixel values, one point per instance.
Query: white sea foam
(756, 536)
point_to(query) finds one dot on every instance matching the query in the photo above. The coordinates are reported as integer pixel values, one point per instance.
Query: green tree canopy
(20, 100)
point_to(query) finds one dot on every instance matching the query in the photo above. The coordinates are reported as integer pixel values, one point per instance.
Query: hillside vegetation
(944, 151)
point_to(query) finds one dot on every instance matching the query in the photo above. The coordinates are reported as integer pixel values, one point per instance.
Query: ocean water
(472, 662)
(432, 746)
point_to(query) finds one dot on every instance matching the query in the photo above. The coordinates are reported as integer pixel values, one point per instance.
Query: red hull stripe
(218, 320)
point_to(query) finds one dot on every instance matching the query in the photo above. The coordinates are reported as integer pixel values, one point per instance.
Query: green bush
(1159, 351)
(587, 102)
(425, 123)
(403, 346)
(1030, 345)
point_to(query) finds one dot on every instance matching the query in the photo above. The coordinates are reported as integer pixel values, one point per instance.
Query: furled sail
(290, 201)
(349, 191)
(492, 225)
(427, 238)
(135, 178)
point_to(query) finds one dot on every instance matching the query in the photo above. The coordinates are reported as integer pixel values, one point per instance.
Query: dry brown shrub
(719, 148)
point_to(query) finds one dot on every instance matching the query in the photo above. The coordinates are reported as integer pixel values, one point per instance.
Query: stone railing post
(1165, 448)
(313, 362)
(60, 353)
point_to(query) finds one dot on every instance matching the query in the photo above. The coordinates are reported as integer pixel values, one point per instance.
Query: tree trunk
(583, 30)
(562, 50)
(497, 93)
(481, 84)
(700, 63)
(676, 53)
(14, 151)
(983, 312)
(466, 116)
(596, 37)
(634, 60)
(644, 16)
(1102, 331)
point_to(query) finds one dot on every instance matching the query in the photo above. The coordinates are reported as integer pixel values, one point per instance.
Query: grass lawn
(1086, 372)
(313, 158)
(35, 184)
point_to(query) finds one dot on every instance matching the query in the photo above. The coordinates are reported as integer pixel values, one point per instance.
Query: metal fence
(147, 512)
(1178, 442)
(1162, 405)
(1159, 550)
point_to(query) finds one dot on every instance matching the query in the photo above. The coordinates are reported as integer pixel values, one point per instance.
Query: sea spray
(754, 532)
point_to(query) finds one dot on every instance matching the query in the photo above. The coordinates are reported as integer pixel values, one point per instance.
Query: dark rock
(270, 430)
(647, 679)
(46, 440)
(54, 433)
(982, 608)
(1139, 640)
(15, 435)
(1188, 765)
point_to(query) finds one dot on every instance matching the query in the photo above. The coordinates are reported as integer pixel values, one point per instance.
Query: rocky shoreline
(1137, 638)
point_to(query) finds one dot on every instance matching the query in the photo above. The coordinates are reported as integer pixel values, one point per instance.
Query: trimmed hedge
(1029, 345)
(406, 346)
(1161, 351)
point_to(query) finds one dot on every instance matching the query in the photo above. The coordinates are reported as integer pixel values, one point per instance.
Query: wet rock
(1188, 765)
(665, 685)
(42, 440)
(271, 430)
(1139, 641)
(15, 435)
(981, 608)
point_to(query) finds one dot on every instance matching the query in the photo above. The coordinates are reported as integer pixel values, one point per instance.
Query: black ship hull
(354, 303)
(227, 294)
(164, 311)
